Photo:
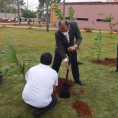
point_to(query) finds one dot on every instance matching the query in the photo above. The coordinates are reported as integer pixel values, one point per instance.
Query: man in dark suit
(65, 42)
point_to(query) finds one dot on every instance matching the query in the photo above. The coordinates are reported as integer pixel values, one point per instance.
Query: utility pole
(5, 12)
(18, 12)
(64, 7)
(27, 4)
(47, 16)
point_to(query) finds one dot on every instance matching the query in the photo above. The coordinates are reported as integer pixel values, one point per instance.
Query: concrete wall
(91, 11)
(9, 16)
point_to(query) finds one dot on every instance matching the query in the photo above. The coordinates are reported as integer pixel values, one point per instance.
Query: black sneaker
(35, 114)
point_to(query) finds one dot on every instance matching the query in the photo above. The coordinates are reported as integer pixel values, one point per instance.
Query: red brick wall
(6, 21)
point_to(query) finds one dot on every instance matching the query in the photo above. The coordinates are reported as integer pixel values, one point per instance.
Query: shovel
(65, 93)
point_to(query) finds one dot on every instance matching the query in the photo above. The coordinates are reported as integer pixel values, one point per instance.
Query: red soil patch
(59, 87)
(75, 92)
(81, 91)
(72, 83)
(20, 45)
(106, 75)
(81, 108)
(107, 62)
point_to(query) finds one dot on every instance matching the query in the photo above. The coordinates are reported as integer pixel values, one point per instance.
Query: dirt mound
(107, 62)
(81, 108)
(59, 87)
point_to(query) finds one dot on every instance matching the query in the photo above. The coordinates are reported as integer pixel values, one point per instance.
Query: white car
(5, 18)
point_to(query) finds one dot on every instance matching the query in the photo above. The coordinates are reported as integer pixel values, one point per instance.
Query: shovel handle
(69, 64)
(67, 75)
(69, 58)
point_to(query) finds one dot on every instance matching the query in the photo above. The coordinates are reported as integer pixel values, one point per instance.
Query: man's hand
(72, 48)
(67, 65)
(25, 81)
(54, 90)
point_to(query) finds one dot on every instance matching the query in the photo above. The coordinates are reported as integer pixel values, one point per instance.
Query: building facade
(90, 14)
(111, 0)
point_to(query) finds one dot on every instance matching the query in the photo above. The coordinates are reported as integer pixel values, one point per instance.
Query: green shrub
(87, 29)
(97, 44)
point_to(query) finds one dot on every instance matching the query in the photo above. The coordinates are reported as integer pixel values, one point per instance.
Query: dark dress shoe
(1, 77)
(79, 63)
(35, 114)
(80, 83)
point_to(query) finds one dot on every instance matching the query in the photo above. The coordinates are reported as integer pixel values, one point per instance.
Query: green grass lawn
(101, 92)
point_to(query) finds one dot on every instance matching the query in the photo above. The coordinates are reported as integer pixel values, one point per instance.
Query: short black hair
(65, 21)
(46, 58)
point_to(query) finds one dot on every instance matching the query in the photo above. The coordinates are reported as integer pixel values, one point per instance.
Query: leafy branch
(71, 14)
(9, 55)
(109, 19)
(60, 15)
(58, 12)
(97, 44)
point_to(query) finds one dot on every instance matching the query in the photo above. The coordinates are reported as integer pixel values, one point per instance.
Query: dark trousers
(74, 65)
(42, 110)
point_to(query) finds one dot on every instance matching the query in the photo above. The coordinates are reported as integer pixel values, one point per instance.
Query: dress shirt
(39, 87)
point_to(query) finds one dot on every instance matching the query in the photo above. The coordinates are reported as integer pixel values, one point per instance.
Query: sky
(32, 4)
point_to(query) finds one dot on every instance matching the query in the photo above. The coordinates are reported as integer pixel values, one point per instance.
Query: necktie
(67, 36)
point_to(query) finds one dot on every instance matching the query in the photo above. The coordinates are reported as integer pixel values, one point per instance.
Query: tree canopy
(42, 6)
(11, 5)
(28, 13)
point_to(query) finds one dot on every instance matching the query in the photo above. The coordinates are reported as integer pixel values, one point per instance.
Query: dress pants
(42, 110)
(74, 65)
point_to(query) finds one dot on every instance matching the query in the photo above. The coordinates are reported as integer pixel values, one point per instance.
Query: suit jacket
(61, 41)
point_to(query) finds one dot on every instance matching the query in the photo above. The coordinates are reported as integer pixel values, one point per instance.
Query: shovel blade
(65, 93)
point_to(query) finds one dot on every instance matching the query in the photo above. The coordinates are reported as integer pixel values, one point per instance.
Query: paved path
(44, 28)
(26, 27)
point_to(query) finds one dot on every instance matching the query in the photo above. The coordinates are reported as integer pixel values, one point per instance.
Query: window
(67, 18)
(103, 20)
(84, 19)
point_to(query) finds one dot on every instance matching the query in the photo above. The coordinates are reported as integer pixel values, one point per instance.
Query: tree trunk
(27, 4)
(64, 7)
(47, 16)
(18, 12)
(43, 14)
(5, 13)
